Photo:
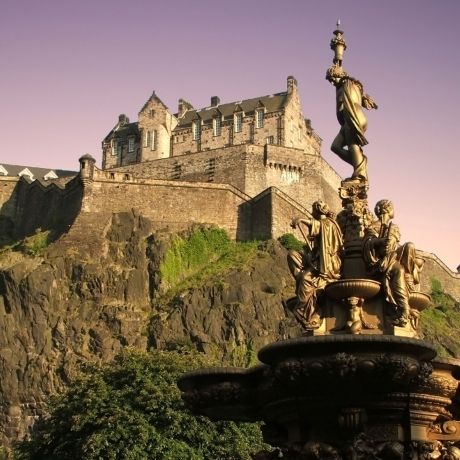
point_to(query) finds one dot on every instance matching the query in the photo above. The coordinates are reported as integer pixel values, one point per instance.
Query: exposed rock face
(245, 310)
(66, 308)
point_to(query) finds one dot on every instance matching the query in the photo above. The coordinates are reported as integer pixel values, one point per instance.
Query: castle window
(270, 140)
(238, 122)
(147, 138)
(119, 147)
(153, 140)
(217, 126)
(151, 113)
(260, 118)
(196, 130)
(131, 144)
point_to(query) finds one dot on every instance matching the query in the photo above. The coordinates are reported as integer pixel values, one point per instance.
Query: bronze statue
(351, 99)
(317, 265)
(398, 265)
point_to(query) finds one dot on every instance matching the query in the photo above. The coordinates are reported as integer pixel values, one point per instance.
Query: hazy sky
(69, 67)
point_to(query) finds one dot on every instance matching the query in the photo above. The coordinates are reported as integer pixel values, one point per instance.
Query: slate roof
(38, 173)
(125, 130)
(272, 103)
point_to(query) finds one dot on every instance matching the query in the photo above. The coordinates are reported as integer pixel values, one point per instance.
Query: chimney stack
(123, 119)
(215, 101)
(183, 106)
(291, 84)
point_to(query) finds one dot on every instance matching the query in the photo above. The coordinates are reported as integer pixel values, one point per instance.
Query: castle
(247, 166)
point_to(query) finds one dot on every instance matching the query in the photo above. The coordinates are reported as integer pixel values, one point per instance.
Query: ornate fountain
(359, 383)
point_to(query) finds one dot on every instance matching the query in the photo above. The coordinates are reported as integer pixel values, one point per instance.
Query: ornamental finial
(338, 45)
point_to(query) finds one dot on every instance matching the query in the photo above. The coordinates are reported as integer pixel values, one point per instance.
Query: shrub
(132, 409)
(35, 244)
(290, 242)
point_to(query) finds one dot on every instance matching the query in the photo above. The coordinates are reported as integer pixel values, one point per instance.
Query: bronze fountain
(359, 383)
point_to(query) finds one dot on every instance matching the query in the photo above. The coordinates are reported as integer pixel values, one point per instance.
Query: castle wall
(436, 268)
(222, 166)
(251, 169)
(26, 207)
(296, 132)
(169, 204)
(8, 198)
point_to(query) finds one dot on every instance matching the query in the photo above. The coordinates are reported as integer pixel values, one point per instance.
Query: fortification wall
(251, 169)
(170, 204)
(436, 268)
(8, 198)
(25, 207)
(221, 165)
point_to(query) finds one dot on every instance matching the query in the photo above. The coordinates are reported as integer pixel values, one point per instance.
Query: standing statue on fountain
(317, 265)
(398, 265)
(353, 123)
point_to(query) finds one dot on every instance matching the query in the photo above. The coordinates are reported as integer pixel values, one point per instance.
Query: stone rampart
(436, 268)
(170, 205)
(26, 207)
(251, 169)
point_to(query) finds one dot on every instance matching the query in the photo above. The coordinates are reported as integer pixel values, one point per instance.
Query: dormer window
(196, 128)
(238, 122)
(217, 126)
(131, 144)
(260, 118)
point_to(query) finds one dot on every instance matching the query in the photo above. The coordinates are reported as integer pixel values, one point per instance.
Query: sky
(70, 67)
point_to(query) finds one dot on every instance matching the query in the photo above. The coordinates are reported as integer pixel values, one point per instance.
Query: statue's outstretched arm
(368, 103)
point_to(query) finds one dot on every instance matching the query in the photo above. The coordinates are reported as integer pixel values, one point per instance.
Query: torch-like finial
(338, 45)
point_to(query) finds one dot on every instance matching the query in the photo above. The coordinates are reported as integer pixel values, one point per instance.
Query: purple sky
(70, 67)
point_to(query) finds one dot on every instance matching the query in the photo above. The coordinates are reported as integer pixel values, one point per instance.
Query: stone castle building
(248, 167)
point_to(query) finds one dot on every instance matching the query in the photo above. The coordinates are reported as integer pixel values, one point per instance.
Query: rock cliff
(71, 305)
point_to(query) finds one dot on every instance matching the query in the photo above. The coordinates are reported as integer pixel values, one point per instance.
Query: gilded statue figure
(350, 99)
(317, 265)
(397, 264)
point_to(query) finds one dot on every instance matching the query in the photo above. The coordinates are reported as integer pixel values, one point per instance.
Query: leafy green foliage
(35, 244)
(441, 322)
(131, 410)
(290, 242)
(205, 253)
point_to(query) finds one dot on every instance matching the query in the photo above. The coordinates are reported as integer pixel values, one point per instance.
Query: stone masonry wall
(169, 204)
(436, 268)
(251, 169)
(222, 165)
(8, 198)
(27, 207)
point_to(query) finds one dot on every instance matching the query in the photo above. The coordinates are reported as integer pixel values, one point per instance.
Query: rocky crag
(71, 305)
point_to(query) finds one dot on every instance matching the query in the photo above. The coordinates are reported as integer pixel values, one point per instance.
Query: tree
(131, 409)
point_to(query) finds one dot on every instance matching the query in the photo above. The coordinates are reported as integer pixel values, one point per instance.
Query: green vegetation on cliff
(441, 323)
(204, 254)
(131, 409)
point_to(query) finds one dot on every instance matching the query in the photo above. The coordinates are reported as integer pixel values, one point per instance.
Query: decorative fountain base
(338, 394)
